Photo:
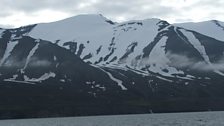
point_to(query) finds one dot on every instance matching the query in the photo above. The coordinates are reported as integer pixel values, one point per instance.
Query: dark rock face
(39, 78)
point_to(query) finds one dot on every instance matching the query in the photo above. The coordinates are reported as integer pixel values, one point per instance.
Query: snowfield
(171, 119)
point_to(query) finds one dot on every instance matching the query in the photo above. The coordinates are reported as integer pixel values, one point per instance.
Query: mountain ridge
(134, 67)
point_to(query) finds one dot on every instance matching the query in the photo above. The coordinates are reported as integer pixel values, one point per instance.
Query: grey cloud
(32, 6)
(110, 8)
(133, 9)
(212, 9)
(40, 63)
(35, 62)
(129, 9)
(5, 13)
(207, 3)
(182, 61)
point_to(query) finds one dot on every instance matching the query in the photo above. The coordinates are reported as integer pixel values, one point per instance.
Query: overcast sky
(15, 13)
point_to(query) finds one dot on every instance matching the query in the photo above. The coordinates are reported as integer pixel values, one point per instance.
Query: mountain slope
(113, 43)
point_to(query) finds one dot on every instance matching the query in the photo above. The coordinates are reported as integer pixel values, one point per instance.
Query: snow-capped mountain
(213, 28)
(135, 66)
